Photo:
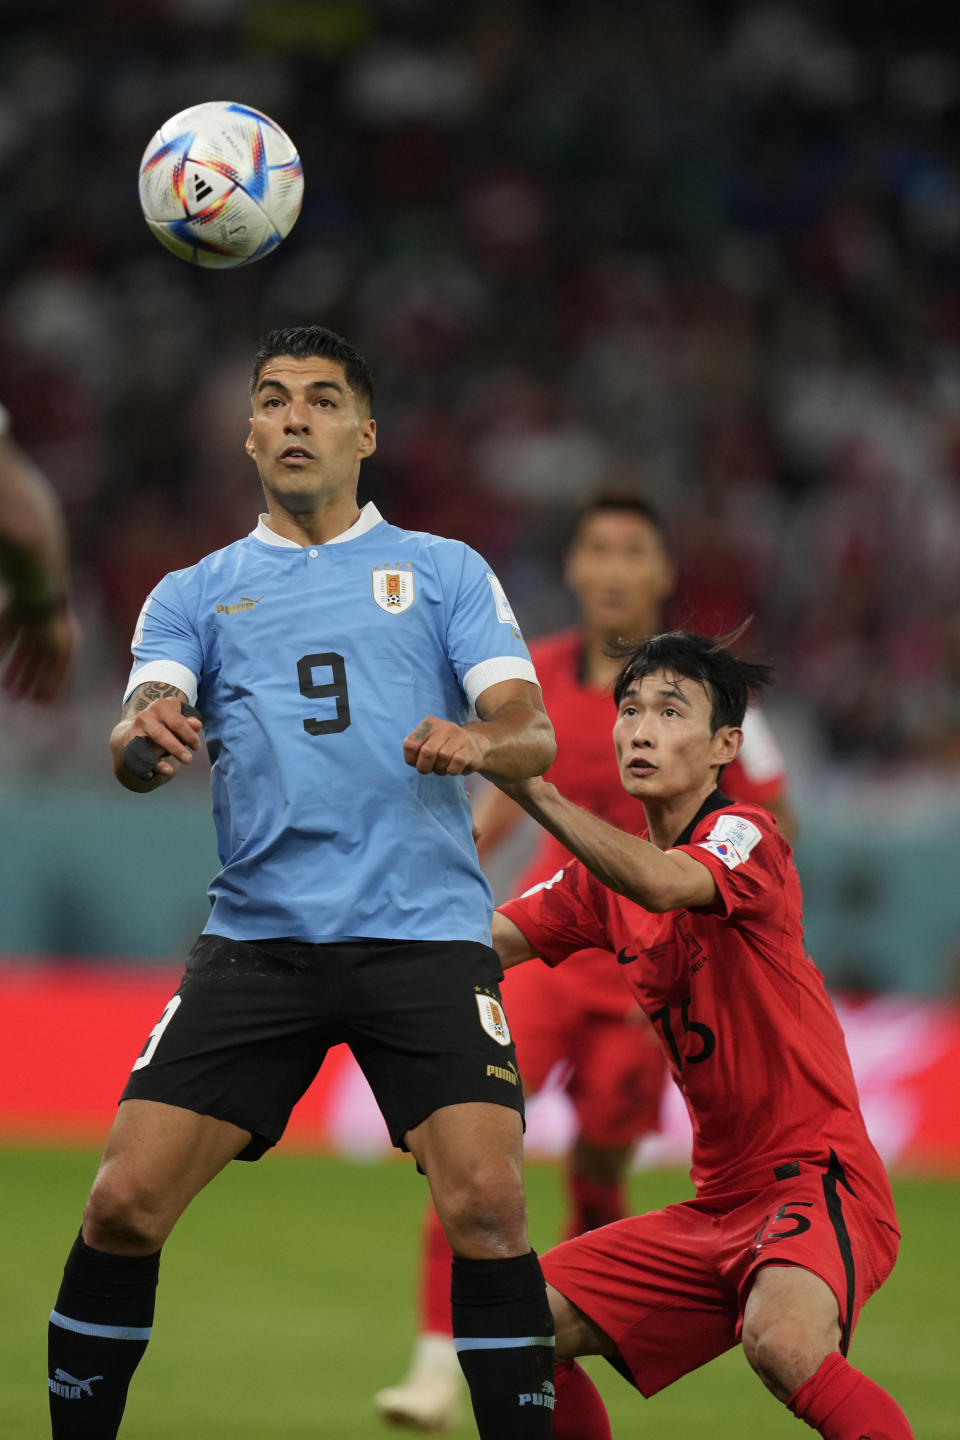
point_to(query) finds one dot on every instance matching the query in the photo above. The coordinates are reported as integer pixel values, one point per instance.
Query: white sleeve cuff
(170, 672)
(491, 672)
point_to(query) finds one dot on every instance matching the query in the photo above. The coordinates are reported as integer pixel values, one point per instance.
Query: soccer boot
(429, 1395)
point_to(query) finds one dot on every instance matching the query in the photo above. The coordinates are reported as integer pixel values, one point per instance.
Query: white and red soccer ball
(220, 184)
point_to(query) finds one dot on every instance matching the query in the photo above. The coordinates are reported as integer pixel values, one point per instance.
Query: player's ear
(726, 744)
(248, 443)
(368, 437)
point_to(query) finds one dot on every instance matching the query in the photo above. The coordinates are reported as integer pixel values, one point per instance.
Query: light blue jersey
(309, 665)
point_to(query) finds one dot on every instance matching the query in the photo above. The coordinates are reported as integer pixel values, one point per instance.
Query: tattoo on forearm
(151, 690)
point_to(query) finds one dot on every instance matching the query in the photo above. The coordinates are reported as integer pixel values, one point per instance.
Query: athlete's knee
(782, 1354)
(123, 1216)
(484, 1211)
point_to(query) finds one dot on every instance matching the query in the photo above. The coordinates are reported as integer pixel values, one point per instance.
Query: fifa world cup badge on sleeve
(504, 609)
(492, 1018)
(731, 840)
(393, 588)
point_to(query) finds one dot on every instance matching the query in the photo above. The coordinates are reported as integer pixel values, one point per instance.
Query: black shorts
(249, 1027)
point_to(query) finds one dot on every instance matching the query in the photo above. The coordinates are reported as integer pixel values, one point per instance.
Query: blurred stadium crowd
(705, 250)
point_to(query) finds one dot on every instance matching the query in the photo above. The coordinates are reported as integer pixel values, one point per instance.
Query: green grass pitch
(286, 1300)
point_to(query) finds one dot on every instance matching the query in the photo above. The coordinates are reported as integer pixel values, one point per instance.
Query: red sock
(593, 1204)
(579, 1414)
(845, 1405)
(435, 1263)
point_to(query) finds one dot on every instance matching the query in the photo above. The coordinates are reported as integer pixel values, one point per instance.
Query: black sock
(503, 1330)
(98, 1332)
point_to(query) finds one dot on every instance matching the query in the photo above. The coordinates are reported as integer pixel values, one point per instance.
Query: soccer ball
(220, 184)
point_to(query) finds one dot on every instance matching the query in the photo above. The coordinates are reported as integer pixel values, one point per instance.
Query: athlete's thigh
(157, 1158)
(652, 1284)
(812, 1220)
(426, 1025)
(617, 1084)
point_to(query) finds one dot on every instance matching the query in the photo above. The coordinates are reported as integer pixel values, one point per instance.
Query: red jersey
(585, 770)
(738, 1006)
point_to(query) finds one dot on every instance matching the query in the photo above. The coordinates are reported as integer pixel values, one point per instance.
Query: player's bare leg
(472, 1155)
(790, 1325)
(157, 1157)
(580, 1413)
(791, 1337)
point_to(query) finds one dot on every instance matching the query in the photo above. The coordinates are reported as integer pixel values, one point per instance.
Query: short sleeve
(484, 642)
(746, 855)
(165, 645)
(562, 915)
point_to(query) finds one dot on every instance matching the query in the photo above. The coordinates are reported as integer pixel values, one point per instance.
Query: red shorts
(613, 1063)
(669, 1287)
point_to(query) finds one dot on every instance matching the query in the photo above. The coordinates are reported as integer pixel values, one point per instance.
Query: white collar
(368, 517)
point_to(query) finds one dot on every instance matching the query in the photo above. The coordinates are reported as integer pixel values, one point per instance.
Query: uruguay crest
(493, 1019)
(392, 588)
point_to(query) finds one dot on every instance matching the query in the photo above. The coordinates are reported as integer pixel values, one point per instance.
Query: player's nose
(298, 415)
(642, 733)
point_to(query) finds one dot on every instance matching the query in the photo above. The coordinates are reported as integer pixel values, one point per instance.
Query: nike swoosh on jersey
(624, 957)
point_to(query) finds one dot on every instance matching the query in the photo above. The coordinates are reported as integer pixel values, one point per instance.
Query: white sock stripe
(103, 1332)
(502, 1342)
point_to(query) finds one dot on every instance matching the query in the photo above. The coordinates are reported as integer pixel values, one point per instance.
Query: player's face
(662, 735)
(309, 431)
(620, 572)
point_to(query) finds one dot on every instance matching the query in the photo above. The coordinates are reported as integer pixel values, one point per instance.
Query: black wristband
(140, 755)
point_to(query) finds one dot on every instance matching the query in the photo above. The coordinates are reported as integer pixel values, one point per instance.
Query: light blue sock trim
(502, 1342)
(102, 1332)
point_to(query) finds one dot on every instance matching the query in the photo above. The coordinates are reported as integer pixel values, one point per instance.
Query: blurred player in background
(793, 1225)
(38, 629)
(583, 1016)
(350, 907)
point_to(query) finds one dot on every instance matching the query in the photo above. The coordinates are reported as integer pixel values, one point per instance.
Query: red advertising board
(69, 1034)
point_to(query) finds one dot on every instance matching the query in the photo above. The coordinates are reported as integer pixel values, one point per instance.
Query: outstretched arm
(659, 880)
(511, 739)
(154, 712)
(36, 623)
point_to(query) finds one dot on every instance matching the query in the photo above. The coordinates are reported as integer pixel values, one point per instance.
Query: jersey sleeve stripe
(170, 672)
(492, 672)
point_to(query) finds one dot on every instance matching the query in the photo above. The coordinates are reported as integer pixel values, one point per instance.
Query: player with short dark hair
(316, 342)
(793, 1226)
(38, 628)
(350, 905)
(580, 1020)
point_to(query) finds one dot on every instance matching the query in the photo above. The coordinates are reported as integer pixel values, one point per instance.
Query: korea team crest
(493, 1019)
(393, 588)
